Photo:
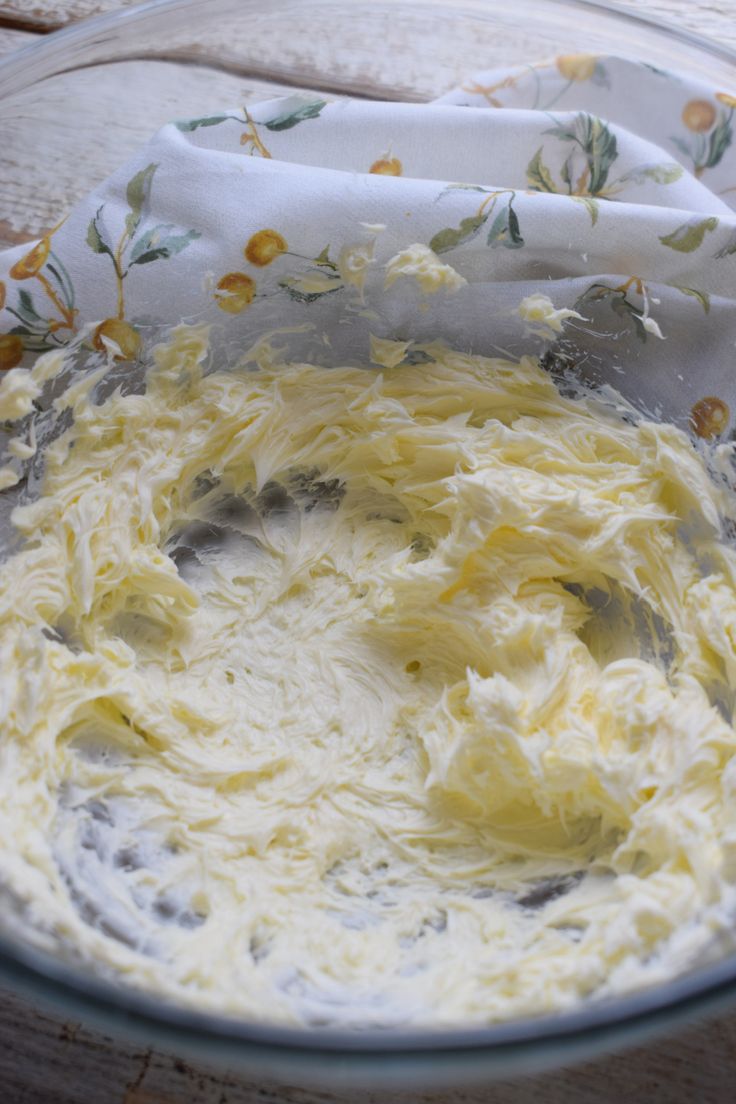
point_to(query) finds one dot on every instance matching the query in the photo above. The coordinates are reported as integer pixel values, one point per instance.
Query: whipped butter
(368, 696)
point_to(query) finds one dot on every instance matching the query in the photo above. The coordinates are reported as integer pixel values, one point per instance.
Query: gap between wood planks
(21, 25)
(45, 16)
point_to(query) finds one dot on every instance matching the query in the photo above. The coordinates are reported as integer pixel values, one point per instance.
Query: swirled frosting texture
(398, 697)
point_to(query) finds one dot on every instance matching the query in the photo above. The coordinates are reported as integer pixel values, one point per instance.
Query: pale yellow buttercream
(369, 697)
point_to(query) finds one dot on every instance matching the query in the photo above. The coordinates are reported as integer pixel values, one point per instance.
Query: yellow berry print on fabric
(699, 115)
(709, 417)
(573, 68)
(265, 246)
(11, 351)
(386, 166)
(125, 339)
(576, 67)
(709, 131)
(314, 278)
(48, 320)
(234, 292)
(32, 263)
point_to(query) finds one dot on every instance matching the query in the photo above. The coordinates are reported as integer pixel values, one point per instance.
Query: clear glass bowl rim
(368, 1057)
(371, 1057)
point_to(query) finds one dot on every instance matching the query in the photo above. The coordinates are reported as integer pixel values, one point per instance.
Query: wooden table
(44, 1060)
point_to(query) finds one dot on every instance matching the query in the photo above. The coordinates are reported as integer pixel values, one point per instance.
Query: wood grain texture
(712, 18)
(13, 40)
(15, 225)
(716, 18)
(44, 1060)
(36, 191)
(55, 13)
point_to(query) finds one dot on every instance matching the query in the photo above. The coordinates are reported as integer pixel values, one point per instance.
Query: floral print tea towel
(582, 209)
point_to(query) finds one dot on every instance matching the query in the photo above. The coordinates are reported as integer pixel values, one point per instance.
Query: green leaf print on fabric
(296, 288)
(667, 172)
(719, 141)
(320, 277)
(505, 229)
(189, 125)
(702, 296)
(450, 188)
(689, 237)
(250, 138)
(94, 238)
(711, 132)
(137, 194)
(591, 205)
(159, 244)
(451, 236)
(538, 176)
(597, 144)
(586, 171)
(729, 248)
(504, 222)
(25, 309)
(600, 148)
(154, 244)
(292, 118)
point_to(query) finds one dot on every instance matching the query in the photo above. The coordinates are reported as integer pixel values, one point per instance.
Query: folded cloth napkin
(586, 212)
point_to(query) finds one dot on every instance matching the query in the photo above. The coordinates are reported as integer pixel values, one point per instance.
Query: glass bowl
(142, 66)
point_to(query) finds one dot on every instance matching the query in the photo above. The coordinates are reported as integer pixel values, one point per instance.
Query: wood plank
(11, 39)
(714, 18)
(14, 227)
(34, 192)
(36, 14)
(46, 1061)
(710, 18)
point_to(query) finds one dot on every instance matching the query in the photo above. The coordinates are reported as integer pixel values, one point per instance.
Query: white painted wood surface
(716, 18)
(44, 1060)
